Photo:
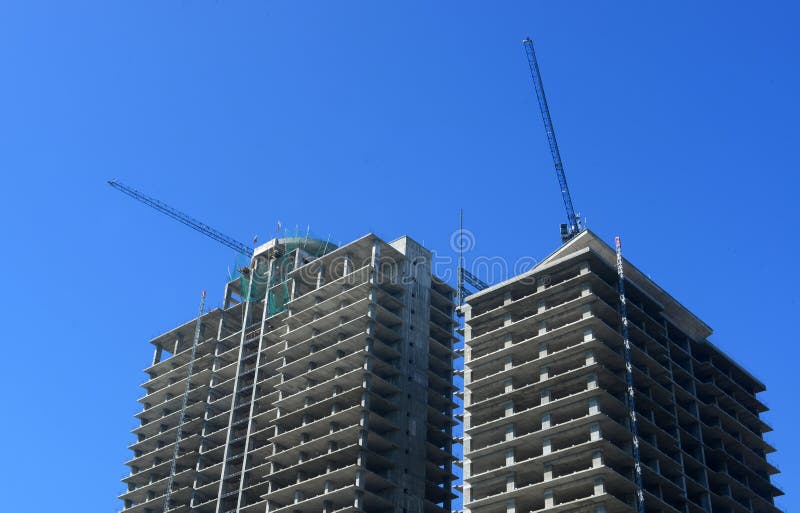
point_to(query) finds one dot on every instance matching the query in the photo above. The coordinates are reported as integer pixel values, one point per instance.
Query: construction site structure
(322, 384)
(551, 359)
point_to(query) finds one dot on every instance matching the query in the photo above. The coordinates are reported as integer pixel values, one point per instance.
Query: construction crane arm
(573, 221)
(473, 280)
(183, 218)
(467, 278)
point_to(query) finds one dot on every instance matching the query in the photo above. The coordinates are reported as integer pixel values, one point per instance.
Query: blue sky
(677, 123)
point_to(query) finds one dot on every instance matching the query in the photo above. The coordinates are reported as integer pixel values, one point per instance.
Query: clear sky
(677, 123)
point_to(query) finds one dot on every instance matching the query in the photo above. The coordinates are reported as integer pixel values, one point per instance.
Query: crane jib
(573, 221)
(183, 218)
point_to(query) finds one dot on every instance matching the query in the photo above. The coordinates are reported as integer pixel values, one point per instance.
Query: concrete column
(320, 275)
(542, 350)
(360, 474)
(509, 432)
(547, 472)
(508, 342)
(541, 283)
(597, 459)
(547, 446)
(544, 373)
(590, 360)
(157, 354)
(507, 319)
(549, 502)
(509, 408)
(586, 289)
(348, 265)
(587, 311)
(511, 506)
(591, 382)
(594, 406)
(541, 306)
(599, 486)
(545, 396)
(510, 457)
(376, 254)
(507, 298)
(511, 482)
(508, 385)
(542, 328)
(706, 500)
(508, 362)
(594, 432)
(588, 335)
(585, 267)
(546, 421)
(328, 486)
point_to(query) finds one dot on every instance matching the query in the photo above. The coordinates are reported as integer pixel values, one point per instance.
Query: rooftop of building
(588, 242)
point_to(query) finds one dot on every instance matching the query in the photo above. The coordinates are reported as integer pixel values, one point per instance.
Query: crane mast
(573, 226)
(184, 404)
(630, 400)
(183, 218)
(465, 277)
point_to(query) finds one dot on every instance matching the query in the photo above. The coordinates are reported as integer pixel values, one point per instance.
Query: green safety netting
(273, 277)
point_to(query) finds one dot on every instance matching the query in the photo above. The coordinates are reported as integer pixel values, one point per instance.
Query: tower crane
(574, 225)
(183, 218)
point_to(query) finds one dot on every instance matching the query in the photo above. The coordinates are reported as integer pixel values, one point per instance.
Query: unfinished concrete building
(323, 383)
(546, 424)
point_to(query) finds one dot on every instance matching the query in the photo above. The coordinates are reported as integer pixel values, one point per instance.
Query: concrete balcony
(556, 316)
(176, 388)
(157, 440)
(566, 492)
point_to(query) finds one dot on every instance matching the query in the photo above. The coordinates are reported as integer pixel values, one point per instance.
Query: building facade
(323, 384)
(546, 423)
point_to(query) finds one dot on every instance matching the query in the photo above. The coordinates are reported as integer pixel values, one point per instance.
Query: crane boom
(573, 221)
(183, 218)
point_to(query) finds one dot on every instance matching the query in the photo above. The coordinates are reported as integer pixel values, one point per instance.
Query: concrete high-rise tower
(323, 383)
(546, 423)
